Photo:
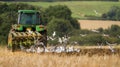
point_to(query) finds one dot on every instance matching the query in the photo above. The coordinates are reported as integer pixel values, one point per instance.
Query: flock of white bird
(40, 47)
(63, 41)
(56, 49)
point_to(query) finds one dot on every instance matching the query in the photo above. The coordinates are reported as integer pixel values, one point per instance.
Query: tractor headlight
(40, 28)
(17, 27)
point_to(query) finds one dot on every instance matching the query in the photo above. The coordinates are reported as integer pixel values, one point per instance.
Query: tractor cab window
(29, 18)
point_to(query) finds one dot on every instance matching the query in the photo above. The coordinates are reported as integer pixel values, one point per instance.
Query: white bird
(99, 45)
(105, 35)
(52, 38)
(76, 50)
(74, 43)
(118, 36)
(65, 39)
(30, 31)
(38, 50)
(58, 50)
(110, 46)
(112, 50)
(48, 38)
(54, 33)
(60, 40)
(96, 12)
(46, 50)
(52, 49)
(83, 35)
(96, 31)
(70, 49)
(28, 50)
(62, 48)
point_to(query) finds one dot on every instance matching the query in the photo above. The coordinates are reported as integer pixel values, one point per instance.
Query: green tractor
(27, 30)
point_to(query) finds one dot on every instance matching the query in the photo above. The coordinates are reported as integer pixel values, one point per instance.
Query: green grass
(80, 9)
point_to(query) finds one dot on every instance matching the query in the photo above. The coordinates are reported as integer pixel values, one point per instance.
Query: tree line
(112, 14)
(58, 18)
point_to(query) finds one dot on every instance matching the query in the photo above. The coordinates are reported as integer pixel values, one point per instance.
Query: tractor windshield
(29, 18)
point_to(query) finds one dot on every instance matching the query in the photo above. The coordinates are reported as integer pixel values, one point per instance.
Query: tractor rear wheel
(44, 33)
(10, 45)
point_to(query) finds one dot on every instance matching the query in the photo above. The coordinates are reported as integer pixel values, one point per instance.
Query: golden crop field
(95, 24)
(22, 59)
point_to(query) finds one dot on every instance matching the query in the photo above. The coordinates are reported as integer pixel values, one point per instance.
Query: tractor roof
(27, 11)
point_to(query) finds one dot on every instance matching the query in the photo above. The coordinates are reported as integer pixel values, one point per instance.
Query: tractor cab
(28, 17)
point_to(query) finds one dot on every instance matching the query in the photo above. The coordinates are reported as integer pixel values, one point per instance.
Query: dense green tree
(75, 23)
(61, 12)
(3, 8)
(112, 14)
(58, 11)
(61, 26)
(94, 39)
(114, 30)
(101, 30)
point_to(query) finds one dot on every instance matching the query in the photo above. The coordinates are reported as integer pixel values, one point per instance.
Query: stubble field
(103, 58)
(95, 24)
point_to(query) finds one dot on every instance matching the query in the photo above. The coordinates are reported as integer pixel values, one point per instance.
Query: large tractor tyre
(10, 45)
(44, 34)
(11, 48)
(45, 41)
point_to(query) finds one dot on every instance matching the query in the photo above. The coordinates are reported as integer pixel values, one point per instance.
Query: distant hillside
(82, 9)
